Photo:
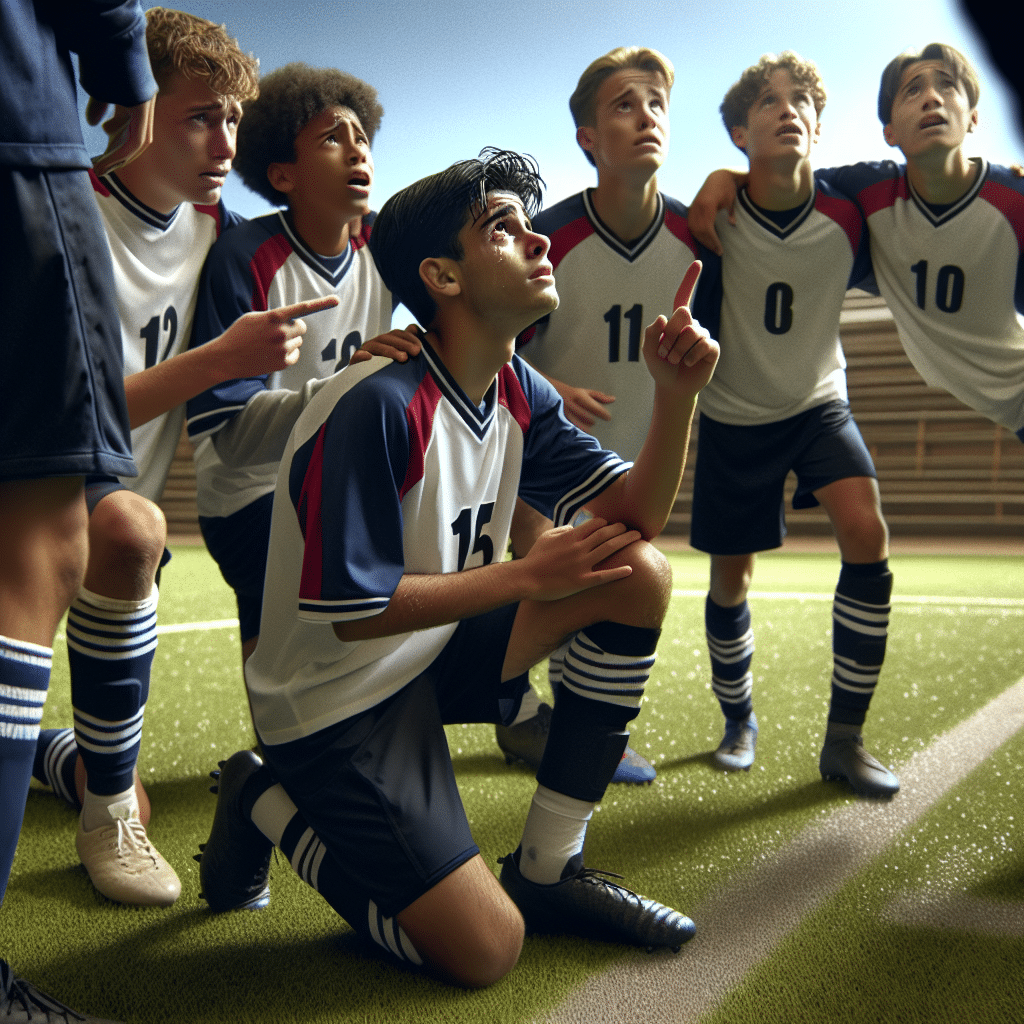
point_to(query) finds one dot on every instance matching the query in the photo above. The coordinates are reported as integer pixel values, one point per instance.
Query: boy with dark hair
(161, 214)
(393, 612)
(778, 402)
(617, 249)
(946, 234)
(305, 144)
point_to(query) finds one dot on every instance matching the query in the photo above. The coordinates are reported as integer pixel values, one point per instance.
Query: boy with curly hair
(304, 145)
(161, 213)
(394, 612)
(778, 402)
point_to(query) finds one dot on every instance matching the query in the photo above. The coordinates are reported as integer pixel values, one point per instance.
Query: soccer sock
(276, 816)
(605, 671)
(24, 679)
(54, 763)
(111, 646)
(556, 666)
(860, 626)
(554, 832)
(731, 647)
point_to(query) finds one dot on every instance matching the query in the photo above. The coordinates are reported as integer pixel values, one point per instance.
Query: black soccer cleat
(584, 903)
(234, 866)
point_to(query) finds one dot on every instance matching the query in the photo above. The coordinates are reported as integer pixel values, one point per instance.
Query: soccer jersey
(263, 265)
(609, 291)
(392, 470)
(773, 302)
(953, 278)
(157, 262)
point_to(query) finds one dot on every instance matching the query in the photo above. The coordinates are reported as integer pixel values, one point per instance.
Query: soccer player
(63, 413)
(305, 145)
(393, 611)
(161, 213)
(946, 231)
(778, 402)
(620, 251)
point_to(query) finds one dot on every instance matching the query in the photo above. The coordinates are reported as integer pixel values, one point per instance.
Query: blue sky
(455, 76)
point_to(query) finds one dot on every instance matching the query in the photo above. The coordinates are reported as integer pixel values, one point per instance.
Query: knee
(730, 579)
(644, 595)
(496, 951)
(127, 534)
(864, 537)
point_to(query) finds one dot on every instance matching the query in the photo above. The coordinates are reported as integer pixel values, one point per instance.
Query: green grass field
(873, 947)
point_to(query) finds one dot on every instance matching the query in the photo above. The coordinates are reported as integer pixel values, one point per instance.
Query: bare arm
(717, 193)
(255, 344)
(560, 563)
(681, 358)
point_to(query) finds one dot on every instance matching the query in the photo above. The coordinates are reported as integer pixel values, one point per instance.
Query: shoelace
(131, 835)
(30, 997)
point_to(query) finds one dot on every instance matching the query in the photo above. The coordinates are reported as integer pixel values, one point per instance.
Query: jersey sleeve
(344, 484)
(1005, 190)
(563, 468)
(225, 293)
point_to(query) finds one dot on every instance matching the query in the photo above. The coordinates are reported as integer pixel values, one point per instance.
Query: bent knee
(644, 594)
(494, 954)
(127, 534)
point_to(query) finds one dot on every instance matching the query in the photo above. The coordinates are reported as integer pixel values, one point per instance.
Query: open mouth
(360, 181)
(932, 122)
(544, 270)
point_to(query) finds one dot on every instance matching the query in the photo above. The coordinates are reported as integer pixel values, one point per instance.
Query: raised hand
(717, 193)
(260, 343)
(680, 354)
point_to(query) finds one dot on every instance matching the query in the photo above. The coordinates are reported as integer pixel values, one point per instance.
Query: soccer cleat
(583, 903)
(234, 866)
(526, 741)
(21, 1002)
(736, 751)
(843, 757)
(124, 865)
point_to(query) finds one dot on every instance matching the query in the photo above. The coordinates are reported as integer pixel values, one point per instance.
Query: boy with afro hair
(305, 145)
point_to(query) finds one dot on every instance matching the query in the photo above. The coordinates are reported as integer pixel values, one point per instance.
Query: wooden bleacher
(943, 470)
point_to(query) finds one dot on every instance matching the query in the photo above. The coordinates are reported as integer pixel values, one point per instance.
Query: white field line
(952, 602)
(741, 924)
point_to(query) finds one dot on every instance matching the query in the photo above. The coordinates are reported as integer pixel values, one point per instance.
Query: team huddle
(541, 408)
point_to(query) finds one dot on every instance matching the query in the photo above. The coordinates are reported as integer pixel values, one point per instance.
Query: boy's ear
(889, 135)
(280, 177)
(738, 134)
(441, 276)
(585, 137)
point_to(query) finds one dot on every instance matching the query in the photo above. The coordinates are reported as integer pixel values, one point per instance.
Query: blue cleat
(843, 758)
(736, 751)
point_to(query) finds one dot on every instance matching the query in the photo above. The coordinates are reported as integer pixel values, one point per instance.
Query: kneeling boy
(392, 612)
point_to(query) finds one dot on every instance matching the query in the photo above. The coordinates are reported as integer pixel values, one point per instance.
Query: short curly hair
(196, 48)
(583, 101)
(289, 99)
(954, 61)
(742, 96)
(425, 218)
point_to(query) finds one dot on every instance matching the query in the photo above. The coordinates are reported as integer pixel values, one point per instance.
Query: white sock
(98, 811)
(555, 829)
(272, 812)
(528, 708)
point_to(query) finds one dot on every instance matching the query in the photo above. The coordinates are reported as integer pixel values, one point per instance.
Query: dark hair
(424, 219)
(743, 95)
(957, 64)
(289, 99)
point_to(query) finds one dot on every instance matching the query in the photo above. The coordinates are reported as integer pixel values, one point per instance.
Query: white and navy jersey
(773, 302)
(608, 293)
(157, 262)
(264, 265)
(391, 470)
(953, 277)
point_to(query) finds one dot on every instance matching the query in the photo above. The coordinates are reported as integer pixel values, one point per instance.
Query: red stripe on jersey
(420, 419)
(566, 238)
(882, 194)
(511, 396)
(1009, 203)
(212, 210)
(363, 238)
(677, 226)
(97, 185)
(311, 522)
(845, 214)
(267, 261)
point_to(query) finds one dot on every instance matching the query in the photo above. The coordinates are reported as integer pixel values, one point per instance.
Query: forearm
(422, 602)
(158, 389)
